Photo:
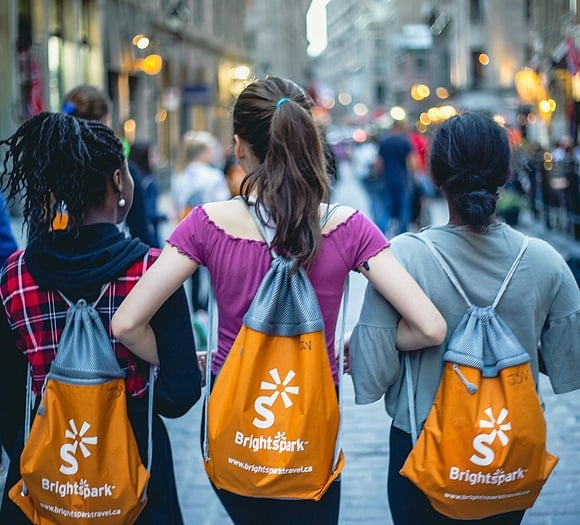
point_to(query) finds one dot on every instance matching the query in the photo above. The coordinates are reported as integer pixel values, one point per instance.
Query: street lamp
(546, 108)
(141, 41)
(150, 65)
(527, 83)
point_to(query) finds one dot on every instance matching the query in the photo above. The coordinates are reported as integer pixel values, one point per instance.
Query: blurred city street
(365, 437)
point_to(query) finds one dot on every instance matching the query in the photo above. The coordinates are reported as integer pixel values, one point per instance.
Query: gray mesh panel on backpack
(285, 303)
(85, 354)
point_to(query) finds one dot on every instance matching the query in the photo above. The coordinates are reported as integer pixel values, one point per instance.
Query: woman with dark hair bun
(55, 160)
(278, 145)
(470, 160)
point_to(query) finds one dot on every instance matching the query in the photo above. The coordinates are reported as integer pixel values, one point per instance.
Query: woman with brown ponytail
(55, 160)
(278, 145)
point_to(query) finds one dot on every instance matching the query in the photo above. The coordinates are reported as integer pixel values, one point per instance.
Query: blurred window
(420, 64)
(199, 13)
(475, 12)
(477, 77)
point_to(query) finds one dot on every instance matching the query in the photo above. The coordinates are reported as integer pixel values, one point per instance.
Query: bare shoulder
(223, 209)
(233, 217)
(339, 215)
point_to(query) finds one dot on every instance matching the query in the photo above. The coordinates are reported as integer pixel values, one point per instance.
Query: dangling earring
(122, 202)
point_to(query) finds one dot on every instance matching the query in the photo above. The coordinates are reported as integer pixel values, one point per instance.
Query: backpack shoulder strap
(267, 230)
(511, 272)
(104, 288)
(331, 208)
(454, 280)
(445, 267)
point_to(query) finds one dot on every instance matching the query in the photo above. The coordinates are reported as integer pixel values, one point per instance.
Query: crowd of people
(392, 167)
(549, 180)
(71, 162)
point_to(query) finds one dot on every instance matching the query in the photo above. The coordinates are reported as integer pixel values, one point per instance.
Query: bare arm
(421, 325)
(130, 324)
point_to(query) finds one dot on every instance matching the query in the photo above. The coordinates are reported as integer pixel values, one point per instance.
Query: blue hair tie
(281, 101)
(69, 108)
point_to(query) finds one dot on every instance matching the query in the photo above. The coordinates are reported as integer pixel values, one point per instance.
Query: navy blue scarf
(82, 260)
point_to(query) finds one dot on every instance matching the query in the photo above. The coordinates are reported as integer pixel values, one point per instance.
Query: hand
(346, 358)
(201, 362)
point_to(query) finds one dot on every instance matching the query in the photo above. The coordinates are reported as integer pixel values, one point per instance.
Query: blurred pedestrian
(144, 157)
(8, 246)
(423, 188)
(198, 181)
(278, 145)
(368, 172)
(56, 158)
(570, 170)
(396, 163)
(233, 173)
(532, 168)
(470, 161)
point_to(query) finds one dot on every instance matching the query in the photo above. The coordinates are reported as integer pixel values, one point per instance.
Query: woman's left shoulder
(338, 215)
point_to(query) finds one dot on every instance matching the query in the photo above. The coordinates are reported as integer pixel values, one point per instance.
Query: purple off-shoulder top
(237, 266)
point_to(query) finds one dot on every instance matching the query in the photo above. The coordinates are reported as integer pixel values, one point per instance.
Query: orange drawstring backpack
(272, 420)
(482, 450)
(80, 463)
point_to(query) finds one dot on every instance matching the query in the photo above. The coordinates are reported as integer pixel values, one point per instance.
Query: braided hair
(55, 160)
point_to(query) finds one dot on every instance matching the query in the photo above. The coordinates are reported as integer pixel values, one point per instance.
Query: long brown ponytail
(274, 117)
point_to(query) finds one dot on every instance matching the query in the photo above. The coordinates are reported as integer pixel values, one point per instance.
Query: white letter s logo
(498, 428)
(268, 415)
(67, 452)
(480, 445)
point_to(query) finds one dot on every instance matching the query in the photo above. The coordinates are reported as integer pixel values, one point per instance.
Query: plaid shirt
(37, 318)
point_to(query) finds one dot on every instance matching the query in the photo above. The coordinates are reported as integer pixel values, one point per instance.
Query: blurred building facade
(168, 65)
(276, 38)
(478, 46)
(174, 65)
(354, 69)
(554, 59)
(466, 53)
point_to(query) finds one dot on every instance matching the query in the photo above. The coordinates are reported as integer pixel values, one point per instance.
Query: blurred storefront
(169, 66)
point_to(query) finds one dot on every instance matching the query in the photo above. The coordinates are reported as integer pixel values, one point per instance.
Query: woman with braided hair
(92, 103)
(469, 162)
(55, 160)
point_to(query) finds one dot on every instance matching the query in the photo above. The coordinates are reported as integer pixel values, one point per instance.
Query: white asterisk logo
(498, 425)
(281, 388)
(79, 438)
